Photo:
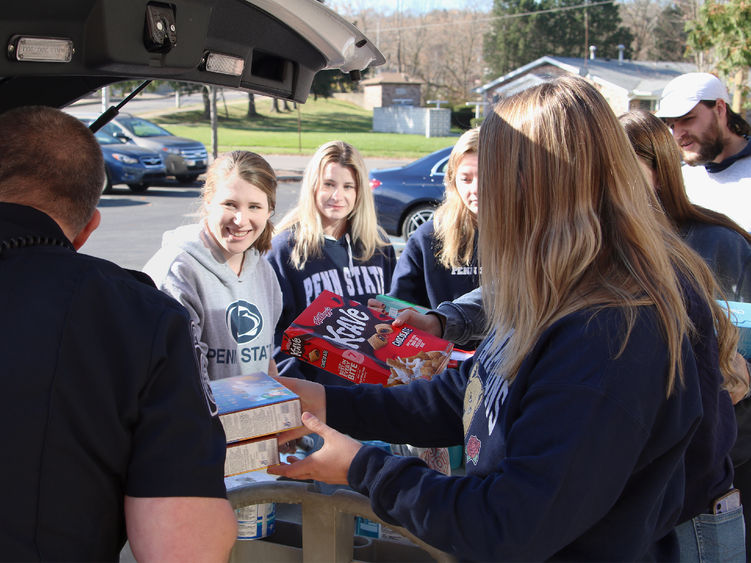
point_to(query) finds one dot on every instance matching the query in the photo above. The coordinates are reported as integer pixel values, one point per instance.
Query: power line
(504, 17)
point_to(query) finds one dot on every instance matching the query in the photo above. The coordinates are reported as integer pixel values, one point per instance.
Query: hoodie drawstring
(349, 251)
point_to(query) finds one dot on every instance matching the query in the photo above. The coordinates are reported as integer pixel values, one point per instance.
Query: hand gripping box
(357, 343)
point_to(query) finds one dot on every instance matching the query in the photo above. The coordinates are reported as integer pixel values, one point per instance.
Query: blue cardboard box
(254, 405)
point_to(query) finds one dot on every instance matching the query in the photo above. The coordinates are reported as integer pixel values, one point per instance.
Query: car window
(105, 139)
(112, 130)
(440, 168)
(142, 128)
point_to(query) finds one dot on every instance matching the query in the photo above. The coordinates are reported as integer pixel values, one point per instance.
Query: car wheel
(415, 218)
(107, 188)
(138, 188)
(186, 178)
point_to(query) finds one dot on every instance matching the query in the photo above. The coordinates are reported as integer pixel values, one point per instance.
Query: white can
(256, 521)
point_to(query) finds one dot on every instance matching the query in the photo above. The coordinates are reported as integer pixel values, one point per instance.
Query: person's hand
(312, 399)
(740, 368)
(427, 322)
(330, 464)
(376, 305)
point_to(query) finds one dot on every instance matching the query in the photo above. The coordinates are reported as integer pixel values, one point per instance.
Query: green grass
(320, 121)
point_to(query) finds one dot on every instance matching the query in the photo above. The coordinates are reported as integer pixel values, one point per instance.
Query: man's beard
(710, 145)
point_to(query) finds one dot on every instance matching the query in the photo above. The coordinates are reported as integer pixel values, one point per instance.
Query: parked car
(406, 196)
(127, 163)
(185, 159)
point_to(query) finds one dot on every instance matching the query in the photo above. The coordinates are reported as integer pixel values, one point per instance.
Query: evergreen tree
(722, 30)
(551, 29)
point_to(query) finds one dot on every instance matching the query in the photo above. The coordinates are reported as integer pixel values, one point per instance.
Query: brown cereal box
(357, 343)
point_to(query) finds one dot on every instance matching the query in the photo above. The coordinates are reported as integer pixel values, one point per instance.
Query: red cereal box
(352, 341)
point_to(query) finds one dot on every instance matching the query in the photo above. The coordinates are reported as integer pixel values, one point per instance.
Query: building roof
(391, 78)
(637, 78)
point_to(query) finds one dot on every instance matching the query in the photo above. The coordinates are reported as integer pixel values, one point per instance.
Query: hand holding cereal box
(357, 343)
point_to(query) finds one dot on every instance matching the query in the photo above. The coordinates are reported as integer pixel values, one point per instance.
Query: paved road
(133, 224)
(148, 104)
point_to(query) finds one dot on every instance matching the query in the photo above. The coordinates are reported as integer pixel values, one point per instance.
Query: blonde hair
(304, 220)
(653, 142)
(454, 224)
(567, 223)
(252, 168)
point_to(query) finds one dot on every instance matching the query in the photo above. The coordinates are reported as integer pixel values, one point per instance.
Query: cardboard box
(740, 316)
(357, 343)
(250, 455)
(255, 405)
(395, 306)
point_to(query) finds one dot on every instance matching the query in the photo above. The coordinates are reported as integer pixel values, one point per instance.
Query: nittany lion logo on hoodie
(244, 321)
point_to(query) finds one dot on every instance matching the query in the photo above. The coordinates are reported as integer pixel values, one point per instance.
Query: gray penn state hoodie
(235, 316)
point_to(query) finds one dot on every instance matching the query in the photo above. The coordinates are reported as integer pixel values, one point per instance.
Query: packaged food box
(357, 343)
(740, 316)
(395, 306)
(254, 405)
(250, 455)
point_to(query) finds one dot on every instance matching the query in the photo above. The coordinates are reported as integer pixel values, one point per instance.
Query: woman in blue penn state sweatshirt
(439, 262)
(330, 240)
(575, 423)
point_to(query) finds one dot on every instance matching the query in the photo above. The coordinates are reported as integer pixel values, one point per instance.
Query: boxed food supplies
(394, 306)
(740, 316)
(254, 405)
(357, 343)
(250, 455)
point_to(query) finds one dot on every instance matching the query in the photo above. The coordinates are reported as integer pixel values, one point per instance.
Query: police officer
(106, 422)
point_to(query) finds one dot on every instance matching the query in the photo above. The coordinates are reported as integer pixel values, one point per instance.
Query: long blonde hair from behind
(567, 223)
(653, 142)
(454, 224)
(305, 221)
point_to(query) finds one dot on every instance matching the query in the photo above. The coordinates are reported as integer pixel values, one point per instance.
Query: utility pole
(586, 33)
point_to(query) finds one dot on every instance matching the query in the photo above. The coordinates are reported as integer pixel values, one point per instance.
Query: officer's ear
(89, 228)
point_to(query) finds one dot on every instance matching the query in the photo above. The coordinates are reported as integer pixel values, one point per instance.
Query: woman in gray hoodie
(216, 269)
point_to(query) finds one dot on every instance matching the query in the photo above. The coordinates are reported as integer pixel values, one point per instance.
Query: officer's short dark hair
(50, 160)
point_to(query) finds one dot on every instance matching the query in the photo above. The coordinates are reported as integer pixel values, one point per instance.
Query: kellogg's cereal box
(357, 343)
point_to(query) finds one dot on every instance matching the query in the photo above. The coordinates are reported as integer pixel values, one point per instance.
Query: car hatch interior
(60, 51)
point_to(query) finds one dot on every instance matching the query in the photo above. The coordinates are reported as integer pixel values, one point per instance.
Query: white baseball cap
(682, 93)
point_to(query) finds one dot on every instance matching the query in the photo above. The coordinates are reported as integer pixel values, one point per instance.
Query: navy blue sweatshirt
(337, 270)
(421, 279)
(580, 458)
(726, 253)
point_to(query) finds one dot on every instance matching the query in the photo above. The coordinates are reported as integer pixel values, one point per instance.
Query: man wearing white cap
(714, 142)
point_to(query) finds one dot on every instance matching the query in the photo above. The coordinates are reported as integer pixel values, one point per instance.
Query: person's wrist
(441, 320)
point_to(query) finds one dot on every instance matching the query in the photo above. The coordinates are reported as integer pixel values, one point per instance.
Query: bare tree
(443, 48)
(641, 17)
(252, 112)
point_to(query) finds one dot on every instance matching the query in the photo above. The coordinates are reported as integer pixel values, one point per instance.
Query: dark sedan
(406, 197)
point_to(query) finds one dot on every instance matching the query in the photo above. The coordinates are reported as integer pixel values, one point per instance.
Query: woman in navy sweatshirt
(330, 240)
(725, 248)
(439, 262)
(575, 423)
